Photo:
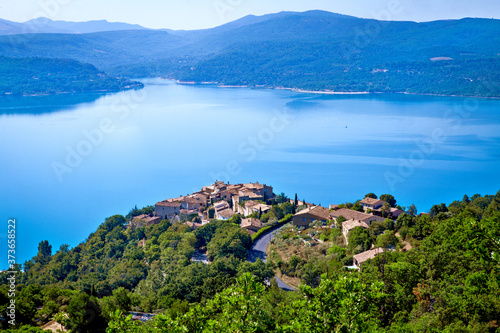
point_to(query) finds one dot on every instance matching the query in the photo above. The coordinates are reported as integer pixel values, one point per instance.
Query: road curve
(258, 250)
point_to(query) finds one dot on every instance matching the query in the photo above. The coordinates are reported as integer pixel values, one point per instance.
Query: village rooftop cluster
(221, 201)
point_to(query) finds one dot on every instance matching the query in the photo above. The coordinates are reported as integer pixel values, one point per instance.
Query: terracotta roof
(371, 201)
(54, 326)
(178, 199)
(321, 212)
(251, 222)
(167, 203)
(221, 205)
(351, 224)
(146, 217)
(248, 193)
(355, 215)
(251, 203)
(262, 207)
(195, 199)
(227, 213)
(254, 185)
(370, 254)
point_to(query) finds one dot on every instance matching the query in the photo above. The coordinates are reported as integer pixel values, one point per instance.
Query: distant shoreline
(321, 92)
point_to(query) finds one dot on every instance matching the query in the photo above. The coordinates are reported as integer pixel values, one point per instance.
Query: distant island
(188, 264)
(309, 51)
(43, 76)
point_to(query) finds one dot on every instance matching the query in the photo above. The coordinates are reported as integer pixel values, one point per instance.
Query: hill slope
(29, 76)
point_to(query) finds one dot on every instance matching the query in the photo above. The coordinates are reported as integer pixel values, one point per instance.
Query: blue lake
(68, 162)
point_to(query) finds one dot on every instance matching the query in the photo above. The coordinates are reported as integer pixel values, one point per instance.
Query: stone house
(362, 257)
(167, 209)
(252, 225)
(351, 224)
(370, 203)
(350, 214)
(304, 217)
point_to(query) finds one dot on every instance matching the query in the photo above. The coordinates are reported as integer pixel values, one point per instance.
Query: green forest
(40, 76)
(449, 281)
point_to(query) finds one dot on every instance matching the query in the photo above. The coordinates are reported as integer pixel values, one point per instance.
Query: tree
(77, 309)
(340, 219)
(371, 195)
(412, 210)
(436, 209)
(389, 199)
(342, 305)
(229, 240)
(387, 239)
(376, 228)
(386, 209)
(276, 212)
(84, 315)
(296, 201)
(423, 226)
(122, 299)
(236, 219)
(359, 236)
(240, 308)
(262, 271)
(357, 207)
(120, 323)
(465, 199)
(113, 222)
(287, 208)
(404, 220)
(44, 253)
(280, 198)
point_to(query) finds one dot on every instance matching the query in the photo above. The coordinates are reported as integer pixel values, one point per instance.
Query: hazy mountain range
(314, 50)
(45, 25)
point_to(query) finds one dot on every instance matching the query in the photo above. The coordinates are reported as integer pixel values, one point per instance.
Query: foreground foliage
(448, 282)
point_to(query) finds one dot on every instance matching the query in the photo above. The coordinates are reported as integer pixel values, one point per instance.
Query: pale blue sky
(196, 14)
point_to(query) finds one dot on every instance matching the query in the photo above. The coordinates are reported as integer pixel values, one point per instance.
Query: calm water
(68, 162)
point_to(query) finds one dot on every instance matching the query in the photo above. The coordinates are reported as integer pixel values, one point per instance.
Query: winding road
(258, 250)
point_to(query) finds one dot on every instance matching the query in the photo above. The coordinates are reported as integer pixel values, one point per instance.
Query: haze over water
(68, 162)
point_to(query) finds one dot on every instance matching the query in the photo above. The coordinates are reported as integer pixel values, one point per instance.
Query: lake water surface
(68, 162)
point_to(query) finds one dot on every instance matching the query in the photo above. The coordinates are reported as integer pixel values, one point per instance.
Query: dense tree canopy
(443, 275)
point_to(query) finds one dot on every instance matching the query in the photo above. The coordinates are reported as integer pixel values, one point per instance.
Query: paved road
(258, 250)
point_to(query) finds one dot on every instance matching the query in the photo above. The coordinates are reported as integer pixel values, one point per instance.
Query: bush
(279, 223)
(347, 261)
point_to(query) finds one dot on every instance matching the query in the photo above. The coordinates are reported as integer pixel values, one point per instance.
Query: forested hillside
(39, 76)
(449, 281)
(313, 50)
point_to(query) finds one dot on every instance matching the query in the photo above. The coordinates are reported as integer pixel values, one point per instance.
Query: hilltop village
(250, 205)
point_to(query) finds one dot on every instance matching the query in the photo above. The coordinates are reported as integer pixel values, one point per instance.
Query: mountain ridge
(46, 25)
(313, 50)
